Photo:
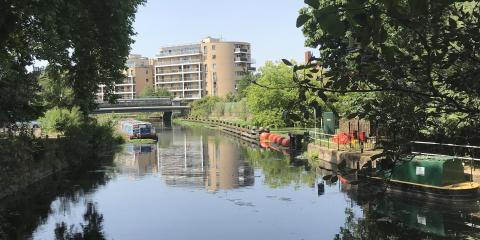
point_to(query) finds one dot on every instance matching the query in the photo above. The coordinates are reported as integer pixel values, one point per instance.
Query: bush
(60, 119)
(203, 107)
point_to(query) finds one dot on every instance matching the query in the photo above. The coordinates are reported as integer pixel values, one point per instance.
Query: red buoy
(285, 142)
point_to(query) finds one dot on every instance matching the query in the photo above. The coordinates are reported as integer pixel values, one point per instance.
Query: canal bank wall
(26, 161)
(352, 159)
(26, 167)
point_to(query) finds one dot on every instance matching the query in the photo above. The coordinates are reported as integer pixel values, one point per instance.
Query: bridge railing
(138, 102)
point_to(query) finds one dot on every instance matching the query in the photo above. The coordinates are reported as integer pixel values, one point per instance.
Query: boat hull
(460, 191)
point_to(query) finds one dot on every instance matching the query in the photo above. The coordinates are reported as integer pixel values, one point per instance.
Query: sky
(269, 25)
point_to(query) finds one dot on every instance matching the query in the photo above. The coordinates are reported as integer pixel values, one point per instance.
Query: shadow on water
(20, 215)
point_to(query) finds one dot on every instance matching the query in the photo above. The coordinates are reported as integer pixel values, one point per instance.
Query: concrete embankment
(352, 159)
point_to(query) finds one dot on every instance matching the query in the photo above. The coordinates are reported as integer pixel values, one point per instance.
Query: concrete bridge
(165, 105)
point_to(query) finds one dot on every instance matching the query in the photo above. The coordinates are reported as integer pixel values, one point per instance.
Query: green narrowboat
(429, 176)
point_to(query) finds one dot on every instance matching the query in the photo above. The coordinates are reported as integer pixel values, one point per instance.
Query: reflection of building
(181, 162)
(225, 169)
(138, 160)
(194, 161)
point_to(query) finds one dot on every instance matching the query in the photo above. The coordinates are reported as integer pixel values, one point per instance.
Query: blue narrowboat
(137, 129)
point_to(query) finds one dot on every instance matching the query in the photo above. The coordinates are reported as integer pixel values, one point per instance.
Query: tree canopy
(273, 99)
(152, 92)
(88, 41)
(412, 64)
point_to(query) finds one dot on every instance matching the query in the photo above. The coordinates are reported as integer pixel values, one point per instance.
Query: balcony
(179, 53)
(241, 50)
(178, 62)
(243, 60)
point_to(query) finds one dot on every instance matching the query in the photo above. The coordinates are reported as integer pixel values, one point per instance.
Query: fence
(326, 140)
(463, 152)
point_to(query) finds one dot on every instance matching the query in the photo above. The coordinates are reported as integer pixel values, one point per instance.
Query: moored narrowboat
(134, 129)
(429, 176)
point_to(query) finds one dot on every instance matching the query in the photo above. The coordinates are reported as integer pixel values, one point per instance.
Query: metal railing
(326, 140)
(463, 152)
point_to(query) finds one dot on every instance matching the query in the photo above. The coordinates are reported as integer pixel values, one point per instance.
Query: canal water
(202, 184)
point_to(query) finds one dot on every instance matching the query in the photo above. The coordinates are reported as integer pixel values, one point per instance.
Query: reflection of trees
(278, 169)
(372, 227)
(401, 218)
(20, 215)
(93, 229)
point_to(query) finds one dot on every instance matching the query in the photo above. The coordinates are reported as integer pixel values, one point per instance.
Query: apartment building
(138, 76)
(209, 68)
(179, 70)
(225, 63)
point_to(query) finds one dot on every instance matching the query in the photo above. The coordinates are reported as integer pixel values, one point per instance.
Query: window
(146, 80)
(214, 56)
(214, 66)
(213, 47)
(146, 71)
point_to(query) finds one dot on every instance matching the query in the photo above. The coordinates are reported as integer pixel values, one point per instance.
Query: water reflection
(21, 215)
(188, 160)
(137, 160)
(387, 216)
(258, 194)
(91, 229)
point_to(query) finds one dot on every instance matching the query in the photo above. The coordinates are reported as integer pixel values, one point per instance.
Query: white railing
(469, 148)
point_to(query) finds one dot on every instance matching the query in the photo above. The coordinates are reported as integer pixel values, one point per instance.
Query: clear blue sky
(269, 25)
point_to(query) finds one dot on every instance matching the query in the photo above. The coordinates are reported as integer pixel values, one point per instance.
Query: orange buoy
(271, 137)
(264, 136)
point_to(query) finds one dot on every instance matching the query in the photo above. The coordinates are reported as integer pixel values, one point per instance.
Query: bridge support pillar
(167, 119)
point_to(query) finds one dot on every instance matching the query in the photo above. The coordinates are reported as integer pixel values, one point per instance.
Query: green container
(329, 122)
(430, 170)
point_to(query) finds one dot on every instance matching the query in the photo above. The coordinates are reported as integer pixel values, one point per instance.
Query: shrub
(60, 119)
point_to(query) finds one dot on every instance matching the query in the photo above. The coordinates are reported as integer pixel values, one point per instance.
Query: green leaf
(302, 19)
(286, 62)
(329, 21)
(452, 22)
(313, 3)
(309, 75)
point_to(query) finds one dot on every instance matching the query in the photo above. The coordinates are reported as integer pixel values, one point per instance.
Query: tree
(55, 91)
(152, 92)
(273, 99)
(418, 55)
(89, 42)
